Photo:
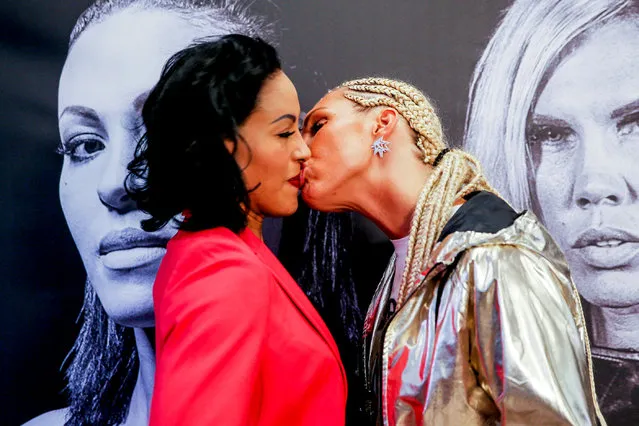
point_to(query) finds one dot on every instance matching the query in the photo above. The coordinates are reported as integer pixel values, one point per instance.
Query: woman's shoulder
(204, 255)
(205, 244)
(213, 250)
(211, 236)
(51, 418)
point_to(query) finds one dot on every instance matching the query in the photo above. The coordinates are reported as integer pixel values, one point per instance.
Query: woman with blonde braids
(476, 320)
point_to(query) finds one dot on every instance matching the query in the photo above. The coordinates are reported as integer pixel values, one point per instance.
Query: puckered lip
(297, 180)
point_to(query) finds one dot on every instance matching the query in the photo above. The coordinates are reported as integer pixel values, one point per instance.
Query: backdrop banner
(544, 92)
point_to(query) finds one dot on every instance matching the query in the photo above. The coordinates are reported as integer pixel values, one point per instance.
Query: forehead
(112, 62)
(335, 100)
(278, 87)
(276, 97)
(600, 69)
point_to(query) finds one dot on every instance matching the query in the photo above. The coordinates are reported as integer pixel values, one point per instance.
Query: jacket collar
(486, 219)
(483, 212)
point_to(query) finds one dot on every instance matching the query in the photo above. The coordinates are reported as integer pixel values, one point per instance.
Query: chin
(310, 200)
(132, 313)
(315, 204)
(129, 304)
(315, 196)
(618, 289)
(284, 212)
(286, 207)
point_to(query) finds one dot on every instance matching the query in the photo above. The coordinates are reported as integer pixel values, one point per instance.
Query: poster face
(544, 93)
(553, 117)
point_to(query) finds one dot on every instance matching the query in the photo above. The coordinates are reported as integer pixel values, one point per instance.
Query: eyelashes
(544, 133)
(629, 124)
(81, 148)
(550, 134)
(316, 126)
(286, 134)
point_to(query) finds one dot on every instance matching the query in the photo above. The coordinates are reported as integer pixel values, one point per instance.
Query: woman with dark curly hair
(237, 341)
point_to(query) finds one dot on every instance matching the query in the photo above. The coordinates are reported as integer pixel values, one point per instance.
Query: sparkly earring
(380, 146)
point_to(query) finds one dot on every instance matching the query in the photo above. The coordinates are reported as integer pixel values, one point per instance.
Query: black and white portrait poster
(544, 92)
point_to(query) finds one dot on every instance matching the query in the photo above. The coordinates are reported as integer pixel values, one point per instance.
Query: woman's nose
(111, 189)
(599, 176)
(302, 151)
(599, 189)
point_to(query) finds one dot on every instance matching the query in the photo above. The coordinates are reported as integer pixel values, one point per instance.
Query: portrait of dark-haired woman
(117, 49)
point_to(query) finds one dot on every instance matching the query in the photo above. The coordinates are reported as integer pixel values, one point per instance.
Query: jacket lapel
(294, 292)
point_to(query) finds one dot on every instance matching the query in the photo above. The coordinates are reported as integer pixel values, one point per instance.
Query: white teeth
(608, 243)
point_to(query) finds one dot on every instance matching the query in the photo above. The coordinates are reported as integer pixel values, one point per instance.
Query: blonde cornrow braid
(409, 102)
(455, 175)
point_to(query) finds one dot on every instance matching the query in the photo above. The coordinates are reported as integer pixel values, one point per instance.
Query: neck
(395, 189)
(254, 223)
(143, 390)
(615, 328)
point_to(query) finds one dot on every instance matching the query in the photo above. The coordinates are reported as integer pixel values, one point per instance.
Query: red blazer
(238, 342)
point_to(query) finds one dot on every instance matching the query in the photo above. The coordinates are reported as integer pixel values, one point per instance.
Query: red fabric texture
(238, 342)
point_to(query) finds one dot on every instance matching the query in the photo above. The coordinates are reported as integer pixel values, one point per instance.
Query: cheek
(629, 159)
(340, 151)
(354, 154)
(243, 157)
(269, 165)
(79, 201)
(553, 187)
(554, 179)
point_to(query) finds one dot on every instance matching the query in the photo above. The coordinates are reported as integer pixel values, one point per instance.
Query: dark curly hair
(204, 94)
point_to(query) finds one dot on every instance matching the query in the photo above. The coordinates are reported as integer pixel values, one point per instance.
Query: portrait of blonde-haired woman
(553, 116)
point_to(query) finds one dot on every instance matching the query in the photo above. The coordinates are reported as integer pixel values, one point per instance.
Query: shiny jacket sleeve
(214, 323)
(527, 348)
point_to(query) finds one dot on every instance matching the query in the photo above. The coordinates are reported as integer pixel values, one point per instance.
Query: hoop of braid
(456, 174)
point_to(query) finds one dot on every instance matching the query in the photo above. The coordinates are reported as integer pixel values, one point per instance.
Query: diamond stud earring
(380, 146)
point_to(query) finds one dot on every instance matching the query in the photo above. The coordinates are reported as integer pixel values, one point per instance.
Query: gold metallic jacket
(507, 344)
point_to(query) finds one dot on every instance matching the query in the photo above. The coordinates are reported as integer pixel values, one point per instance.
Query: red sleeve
(214, 321)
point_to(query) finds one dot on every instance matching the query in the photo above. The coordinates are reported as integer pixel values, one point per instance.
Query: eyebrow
(620, 112)
(285, 117)
(309, 114)
(81, 111)
(547, 120)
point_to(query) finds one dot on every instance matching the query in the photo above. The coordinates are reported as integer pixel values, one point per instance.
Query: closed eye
(286, 134)
(315, 127)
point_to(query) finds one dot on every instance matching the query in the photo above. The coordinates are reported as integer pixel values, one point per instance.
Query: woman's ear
(385, 122)
(230, 146)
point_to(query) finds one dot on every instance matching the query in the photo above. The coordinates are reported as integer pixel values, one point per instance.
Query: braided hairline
(424, 136)
(409, 102)
(456, 175)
